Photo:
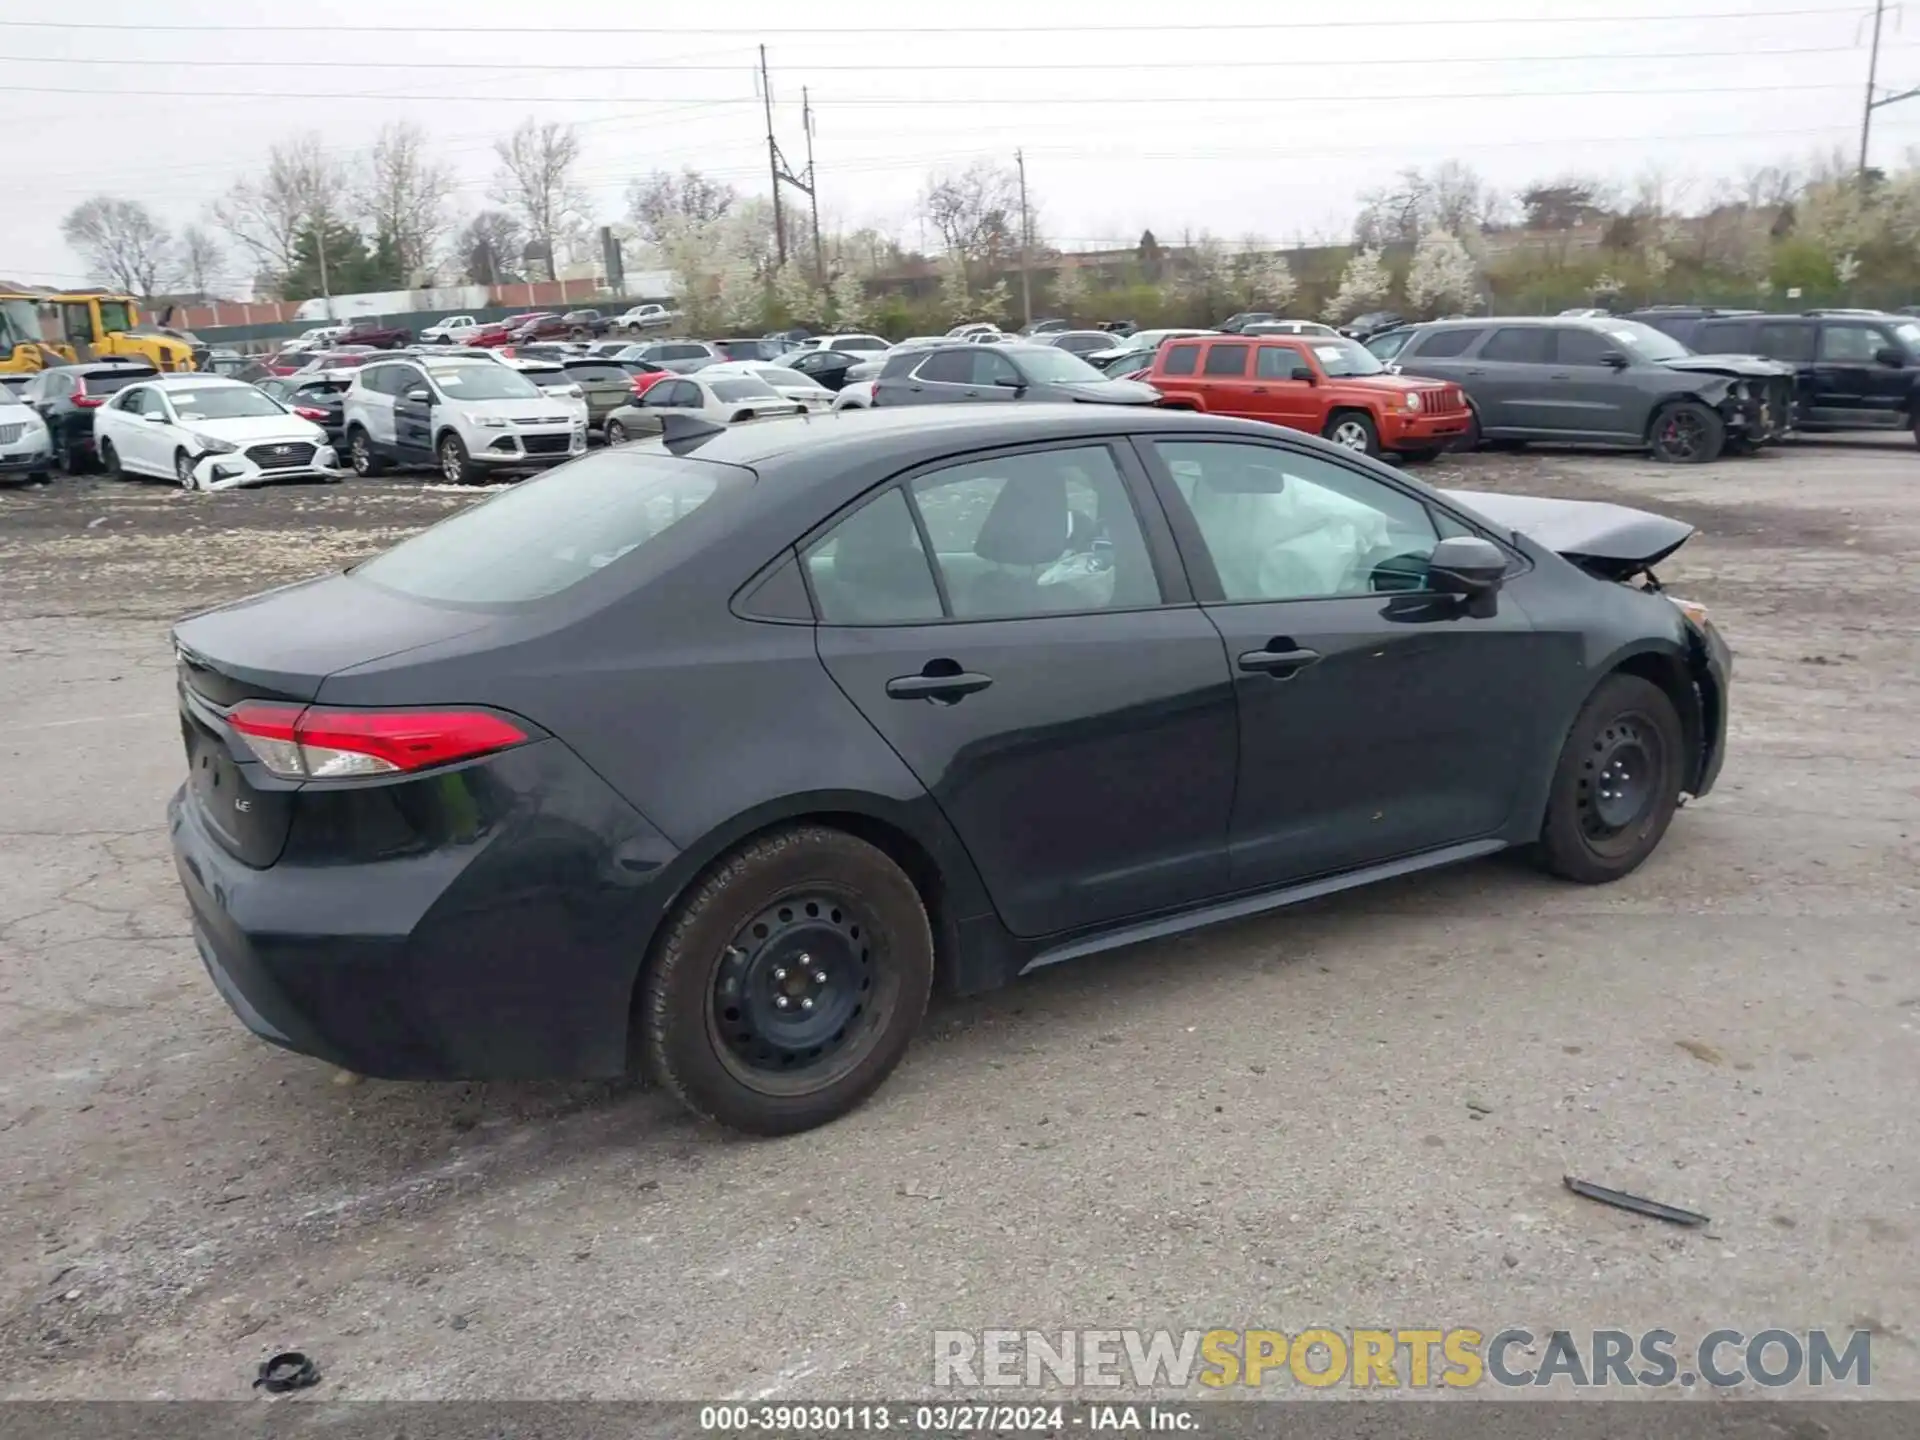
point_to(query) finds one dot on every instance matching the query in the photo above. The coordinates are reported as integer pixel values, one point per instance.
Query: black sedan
(828, 367)
(718, 752)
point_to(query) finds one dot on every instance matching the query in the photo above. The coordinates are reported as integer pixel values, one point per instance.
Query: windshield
(1909, 334)
(1060, 367)
(780, 375)
(115, 315)
(19, 323)
(483, 381)
(1644, 341)
(223, 402)
(1341, 358)
(547, 535)
(744, 388)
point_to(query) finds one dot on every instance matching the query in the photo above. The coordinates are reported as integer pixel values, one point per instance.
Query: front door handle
(1472, 371)
(1281, 664)
(946, 688)
(1259, 390)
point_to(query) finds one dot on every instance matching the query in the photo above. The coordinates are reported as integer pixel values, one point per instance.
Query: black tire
(1353, 430)
(110, 461)
(362, 456)
(579, 334)
(1686, 433)
(455, 465)
(616, 433)
(1617, 784)
(39, 477)
(66, 458)
(183, 470)
(737, 936)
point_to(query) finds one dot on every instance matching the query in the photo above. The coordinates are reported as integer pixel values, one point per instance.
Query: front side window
(1285, 526)
(1036, 533)
(992, 369)
(1580, 347)
(871, 568)
(1281, 362)
(1787, 340)
(1849, 344)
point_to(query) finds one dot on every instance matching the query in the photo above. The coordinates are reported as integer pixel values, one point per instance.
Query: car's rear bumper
(500, 939)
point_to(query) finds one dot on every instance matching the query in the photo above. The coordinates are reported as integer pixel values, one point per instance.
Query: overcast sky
(1254, 117)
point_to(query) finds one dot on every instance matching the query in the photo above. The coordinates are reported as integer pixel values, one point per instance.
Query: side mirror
(1617, 359)
(1304, 373)
(1469, 567)
(153, 418)
(1017, 386)
(419, 397)
(1890, 357)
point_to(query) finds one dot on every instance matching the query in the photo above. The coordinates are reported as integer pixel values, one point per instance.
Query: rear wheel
(616, 433)
(183, 470)
(366, 463)
(65, 457)
(454, 463)
(1468, 439)
(1687, 433)
(788, 983)
(1617, 784)
(1353, 430)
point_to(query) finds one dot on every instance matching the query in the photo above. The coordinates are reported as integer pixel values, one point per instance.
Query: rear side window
(1791, 341)
(597, 372)
(871, 568)
(549, 534)
(1520, 345)
(1440, 344)
(1228, 360)
(1720, 336)
(1180, 360)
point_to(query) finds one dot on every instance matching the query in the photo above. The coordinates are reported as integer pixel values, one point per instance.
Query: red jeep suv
(1324, 384)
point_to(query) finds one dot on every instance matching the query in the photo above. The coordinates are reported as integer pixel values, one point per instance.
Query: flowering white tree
(1363, 285)
(848, 295)
(1267, 280)
(796, 294)
(1846, 269)
(1069, 289)
(956, 299)
(1441, 277)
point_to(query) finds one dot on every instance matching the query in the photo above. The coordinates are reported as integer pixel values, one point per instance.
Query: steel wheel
(795, 1004)
(1617, 783)
(183, 471)
(361, 452)
(1621, 780)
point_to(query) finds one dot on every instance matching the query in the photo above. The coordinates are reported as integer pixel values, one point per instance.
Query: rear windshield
(105, 382)
(547, 535)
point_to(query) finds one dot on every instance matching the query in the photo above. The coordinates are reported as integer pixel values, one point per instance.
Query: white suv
(468, 417)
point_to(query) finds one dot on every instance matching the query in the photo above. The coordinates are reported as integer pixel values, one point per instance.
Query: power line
(816, 32)
(589, 66)
(496, 100)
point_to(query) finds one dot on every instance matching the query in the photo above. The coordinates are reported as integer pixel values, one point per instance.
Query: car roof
(106, 367)
(860, 435)
(199, 379)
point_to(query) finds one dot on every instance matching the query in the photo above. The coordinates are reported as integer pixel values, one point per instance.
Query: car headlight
(1692, 609)
(1412, 402)
(213, 445)
(490, 422)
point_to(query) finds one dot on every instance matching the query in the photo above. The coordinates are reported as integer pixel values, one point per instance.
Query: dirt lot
(1356, 1113)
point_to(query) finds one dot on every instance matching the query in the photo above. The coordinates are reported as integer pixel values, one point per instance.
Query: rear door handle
(1560, 375)
(1259, 390)
(948, 688)
(1281, 664)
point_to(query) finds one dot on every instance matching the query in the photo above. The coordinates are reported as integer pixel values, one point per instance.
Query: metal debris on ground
(289, 1370)
(1620, 1200)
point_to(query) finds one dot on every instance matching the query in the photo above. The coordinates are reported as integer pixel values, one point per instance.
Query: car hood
(1390, 384)
(553, 408)
(14, 413)
(1614, 540)
(1752, 367)
(257, 429)
(1110, 392)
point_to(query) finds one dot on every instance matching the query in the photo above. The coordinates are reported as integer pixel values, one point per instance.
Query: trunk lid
(1611, 541)
(280, 647)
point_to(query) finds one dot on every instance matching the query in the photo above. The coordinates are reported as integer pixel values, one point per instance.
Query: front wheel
(1617, 784)
(183, 470)
(1351, 430)
(789, 982)
(1687, 433)
(454, 463)
(616, 433)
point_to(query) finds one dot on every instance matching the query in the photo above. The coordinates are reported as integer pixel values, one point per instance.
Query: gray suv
(952, 374)
(1593, 382)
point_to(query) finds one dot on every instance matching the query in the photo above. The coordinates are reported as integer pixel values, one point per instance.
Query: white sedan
(790, 383)
(723, 401)
(210, 433)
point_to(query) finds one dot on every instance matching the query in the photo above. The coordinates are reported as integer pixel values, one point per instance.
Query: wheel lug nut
(779, 974)
(806, 1002)
(779, 1002)
(819, 977)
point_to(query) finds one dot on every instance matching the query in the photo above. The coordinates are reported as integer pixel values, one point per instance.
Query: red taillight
(317, 743)
(85, 401)
(307, 412)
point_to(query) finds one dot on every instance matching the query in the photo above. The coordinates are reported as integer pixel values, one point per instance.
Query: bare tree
(202, 261)
(655, 200)
(535, 181)
(1450, 197)
(402, 195)
(301, 191)
(488, 248)
(976, 212)
(121, 240)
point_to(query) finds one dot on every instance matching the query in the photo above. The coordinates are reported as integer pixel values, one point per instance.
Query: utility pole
(1026, 243)
(813, 194)
(1873, 75)
(773, 161)
(320, 252)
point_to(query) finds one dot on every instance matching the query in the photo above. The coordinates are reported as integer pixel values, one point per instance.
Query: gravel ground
(1354, 1113)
